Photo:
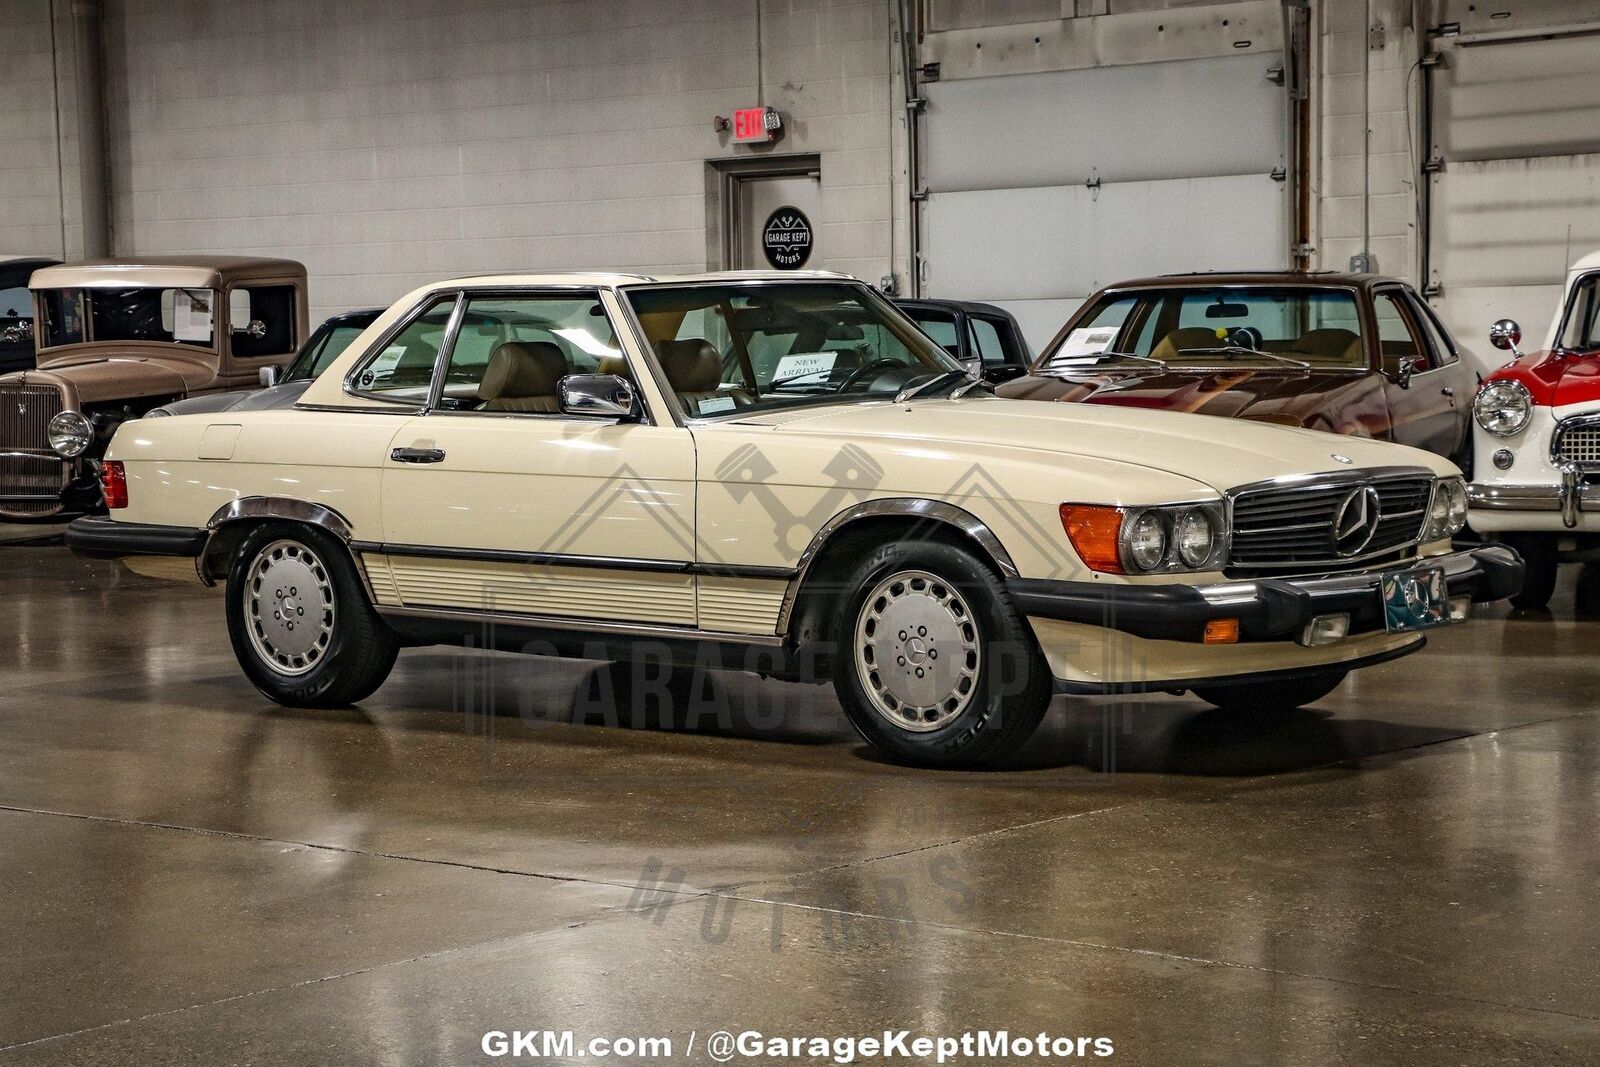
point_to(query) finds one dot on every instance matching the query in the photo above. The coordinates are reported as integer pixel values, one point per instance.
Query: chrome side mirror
(269, 376)
(1505, 334)
(1407, 367)
(600, 396)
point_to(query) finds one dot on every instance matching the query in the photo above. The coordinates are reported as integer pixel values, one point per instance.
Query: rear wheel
(935, 668)
(1283, 695)
(1538, 552)
(300, 622)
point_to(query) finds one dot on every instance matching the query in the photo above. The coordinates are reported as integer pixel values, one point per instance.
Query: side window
(265, 325)
(1396, 337)
(16, 316)
(1444, 350)
(402, 369)
(512, 350)
(986, 341)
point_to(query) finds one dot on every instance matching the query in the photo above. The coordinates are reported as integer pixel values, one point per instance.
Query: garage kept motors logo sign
(786, 238)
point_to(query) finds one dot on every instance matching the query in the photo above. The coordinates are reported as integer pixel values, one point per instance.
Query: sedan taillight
(114, 483)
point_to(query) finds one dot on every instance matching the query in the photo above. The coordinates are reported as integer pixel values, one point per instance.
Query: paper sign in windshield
(1087, 341)
(805, 364)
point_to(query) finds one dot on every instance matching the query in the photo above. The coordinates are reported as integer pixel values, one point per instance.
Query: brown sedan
(1353, 354)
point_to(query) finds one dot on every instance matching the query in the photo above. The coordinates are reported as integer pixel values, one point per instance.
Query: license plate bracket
(1414, 600)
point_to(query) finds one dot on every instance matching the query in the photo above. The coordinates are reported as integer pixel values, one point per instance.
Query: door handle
(417, 455)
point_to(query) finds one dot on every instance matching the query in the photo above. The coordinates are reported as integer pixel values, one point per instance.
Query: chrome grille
(30, 482)
(1579, 444)
(1287, 529)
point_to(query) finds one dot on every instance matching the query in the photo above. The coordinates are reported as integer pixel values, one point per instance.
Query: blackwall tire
(300, 622)
(1538, 552)
(933, 665)
(1284, 695)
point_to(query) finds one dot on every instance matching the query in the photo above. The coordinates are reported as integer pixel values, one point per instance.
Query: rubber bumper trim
(99, 537)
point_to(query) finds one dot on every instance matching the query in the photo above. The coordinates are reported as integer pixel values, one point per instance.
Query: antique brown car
(1354, 354)
(118, 337)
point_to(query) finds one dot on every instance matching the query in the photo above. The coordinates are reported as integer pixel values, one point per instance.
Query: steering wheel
(881, 363)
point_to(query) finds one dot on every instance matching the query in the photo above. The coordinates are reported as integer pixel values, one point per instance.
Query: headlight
(1144, 541)
(1149, 540)
(69, 434)
(1503, 407)
(1447, 510)
(1194, 536)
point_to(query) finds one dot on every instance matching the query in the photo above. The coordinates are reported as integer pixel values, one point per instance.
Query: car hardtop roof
(620, 279)
(1309, 279)
(16, 270)
(971, 307)
(179, 272)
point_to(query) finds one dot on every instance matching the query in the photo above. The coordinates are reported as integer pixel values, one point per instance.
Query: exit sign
(754, 125)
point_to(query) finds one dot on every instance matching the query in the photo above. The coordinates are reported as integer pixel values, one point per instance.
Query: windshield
(1259, 326)
(324, 346)
(760, 347)
(181, 316)
(1580, 326)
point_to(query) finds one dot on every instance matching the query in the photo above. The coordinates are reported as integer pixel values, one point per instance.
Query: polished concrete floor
(1408, 873)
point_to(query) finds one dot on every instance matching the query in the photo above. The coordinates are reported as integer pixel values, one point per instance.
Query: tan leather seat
(1173, 344)
(615, 365)
(1332, 344)
(522, 376)
(694, 371)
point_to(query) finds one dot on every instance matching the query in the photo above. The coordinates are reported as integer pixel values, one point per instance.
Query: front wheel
(935, 668)
(300, 622)
(1284, 695)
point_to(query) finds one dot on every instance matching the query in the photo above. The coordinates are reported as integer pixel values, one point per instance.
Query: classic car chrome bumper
(1268, 609)
(1572, 497)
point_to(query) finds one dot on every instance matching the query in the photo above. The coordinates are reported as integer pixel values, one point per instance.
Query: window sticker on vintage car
(1087, 341)
(384, 365)
(713, 405)
(804, 364)
(191, 315)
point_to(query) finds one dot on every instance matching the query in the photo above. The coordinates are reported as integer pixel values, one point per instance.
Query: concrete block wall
(1344, 63)
(38, 171)
(390, 143)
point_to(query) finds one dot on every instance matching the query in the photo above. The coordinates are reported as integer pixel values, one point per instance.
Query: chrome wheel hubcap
(917, 651)
(289, 607)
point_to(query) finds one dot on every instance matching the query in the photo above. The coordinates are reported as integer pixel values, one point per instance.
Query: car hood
(97, 380)
(1555, 379)
(282, 395)
(1221, 453)
(1272, 394)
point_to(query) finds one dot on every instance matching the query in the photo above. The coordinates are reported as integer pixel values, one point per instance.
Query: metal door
(756, 200)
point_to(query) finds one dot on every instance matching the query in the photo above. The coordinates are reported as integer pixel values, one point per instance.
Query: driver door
(1422, 413)
(496, 502)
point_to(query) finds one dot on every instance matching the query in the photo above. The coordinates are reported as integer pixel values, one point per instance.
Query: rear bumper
(1268, 609)
(101, 537)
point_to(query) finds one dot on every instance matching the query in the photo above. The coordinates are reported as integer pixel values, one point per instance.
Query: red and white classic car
(1536, 477)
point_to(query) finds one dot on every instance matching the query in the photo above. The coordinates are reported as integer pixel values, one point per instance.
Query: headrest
(1173, 344)
(1329, 342)
(521, 369)
(691, 364)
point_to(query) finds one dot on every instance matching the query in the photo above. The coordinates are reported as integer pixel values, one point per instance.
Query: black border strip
(562, 559)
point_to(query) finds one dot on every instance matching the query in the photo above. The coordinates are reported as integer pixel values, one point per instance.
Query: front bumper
(1268, 609)
(1534, 507)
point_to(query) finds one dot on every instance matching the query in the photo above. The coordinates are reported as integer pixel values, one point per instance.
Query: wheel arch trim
(258, 508)
(936, 513)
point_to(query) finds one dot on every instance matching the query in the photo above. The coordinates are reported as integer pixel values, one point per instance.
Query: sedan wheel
(289, 607)
(917, 648)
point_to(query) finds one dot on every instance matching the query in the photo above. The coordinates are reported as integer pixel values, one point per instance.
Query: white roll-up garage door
(1043, 187)
(1516, 124)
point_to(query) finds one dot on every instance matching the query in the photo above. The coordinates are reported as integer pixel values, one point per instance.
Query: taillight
(114, 483)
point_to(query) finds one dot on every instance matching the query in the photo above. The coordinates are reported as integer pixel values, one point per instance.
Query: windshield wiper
(917, 390)
(1106, 355)
(1245, 350)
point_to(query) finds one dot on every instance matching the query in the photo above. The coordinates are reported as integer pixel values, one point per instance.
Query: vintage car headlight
(1503, 407)
(1447, 510)
(1150, 540)
(69, 434)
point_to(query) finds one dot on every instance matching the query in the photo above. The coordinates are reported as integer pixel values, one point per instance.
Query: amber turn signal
(113, 484)
(1222, 632)
(1095, 533)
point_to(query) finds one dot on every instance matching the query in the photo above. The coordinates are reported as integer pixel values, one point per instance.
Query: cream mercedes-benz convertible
(779, 473)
